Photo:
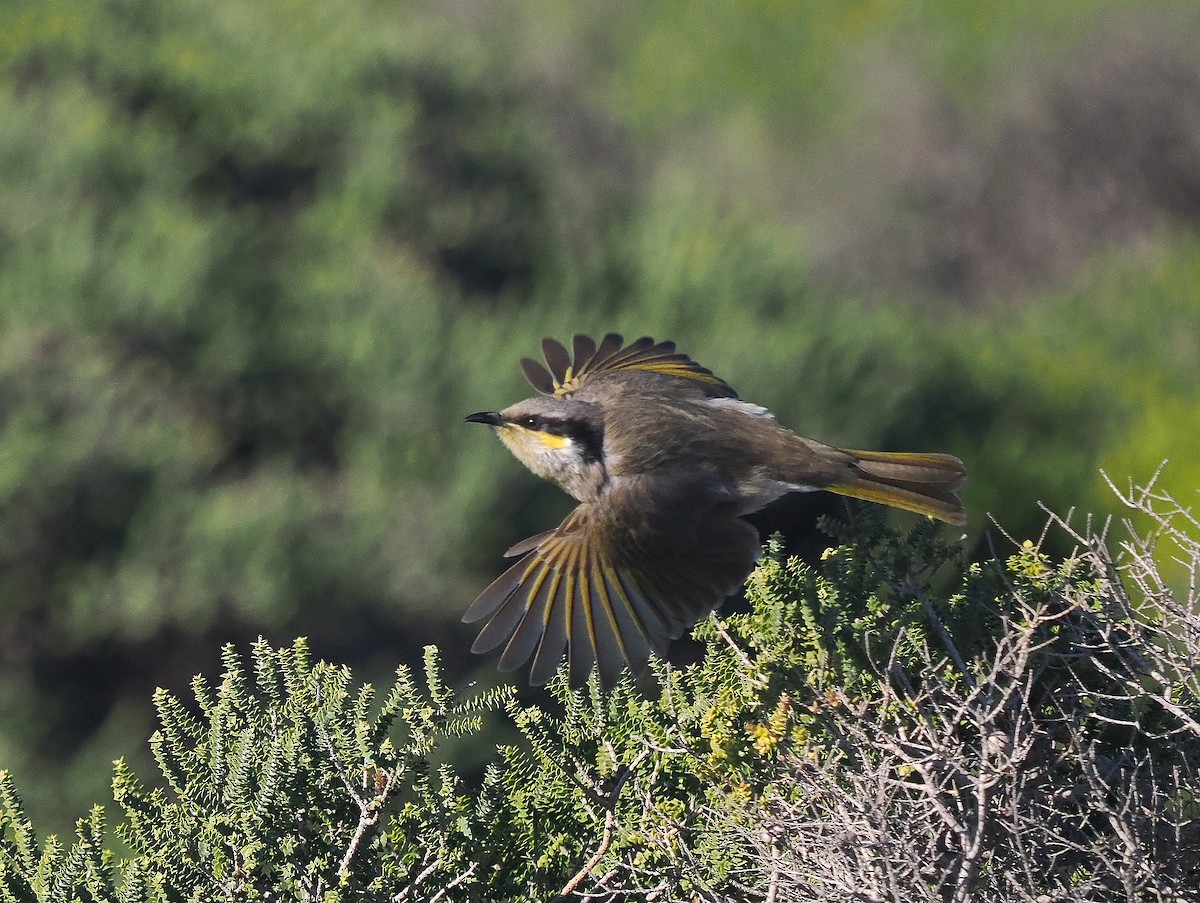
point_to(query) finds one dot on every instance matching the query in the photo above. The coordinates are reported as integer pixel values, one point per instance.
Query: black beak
(491, 418)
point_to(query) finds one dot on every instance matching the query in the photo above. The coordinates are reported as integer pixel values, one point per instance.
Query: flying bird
(664, 460)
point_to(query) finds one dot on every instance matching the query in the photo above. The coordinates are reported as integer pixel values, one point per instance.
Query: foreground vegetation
(1032, 731)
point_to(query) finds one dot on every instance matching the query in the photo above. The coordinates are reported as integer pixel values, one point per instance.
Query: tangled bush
(1058, 760)
(890, 723)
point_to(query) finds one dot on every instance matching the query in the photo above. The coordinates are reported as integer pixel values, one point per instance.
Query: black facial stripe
(588, 437)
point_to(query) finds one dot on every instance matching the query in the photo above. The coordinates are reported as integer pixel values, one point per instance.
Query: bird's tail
(924, 483)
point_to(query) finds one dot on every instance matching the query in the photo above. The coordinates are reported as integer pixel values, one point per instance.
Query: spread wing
(566, 376)
(606, 594)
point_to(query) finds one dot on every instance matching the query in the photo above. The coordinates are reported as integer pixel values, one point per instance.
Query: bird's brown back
(652, 428)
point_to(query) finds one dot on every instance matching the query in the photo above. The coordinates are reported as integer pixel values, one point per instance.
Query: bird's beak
(491, 418)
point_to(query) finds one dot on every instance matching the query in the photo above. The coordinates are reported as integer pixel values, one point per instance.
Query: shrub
(854, 732)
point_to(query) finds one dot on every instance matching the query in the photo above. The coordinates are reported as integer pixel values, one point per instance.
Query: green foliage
(275, 783)
(229, 321)
(793, 65)
(283, 779)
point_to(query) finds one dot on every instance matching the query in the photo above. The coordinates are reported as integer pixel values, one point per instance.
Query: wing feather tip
(538, 376)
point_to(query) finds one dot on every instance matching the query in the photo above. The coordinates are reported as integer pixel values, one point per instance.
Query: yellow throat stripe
(515, 436)
(550, 440)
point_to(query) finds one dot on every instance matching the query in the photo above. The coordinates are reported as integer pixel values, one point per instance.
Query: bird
(664, 459)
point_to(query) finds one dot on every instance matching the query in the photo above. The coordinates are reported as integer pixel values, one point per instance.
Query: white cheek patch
(540, 451)
(509, 438)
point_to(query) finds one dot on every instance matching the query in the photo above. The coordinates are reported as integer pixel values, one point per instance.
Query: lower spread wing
(618, 579)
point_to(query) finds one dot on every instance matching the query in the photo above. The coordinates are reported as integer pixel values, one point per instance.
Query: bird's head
(559, 439)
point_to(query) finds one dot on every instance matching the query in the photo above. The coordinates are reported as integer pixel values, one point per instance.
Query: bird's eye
(532, 422)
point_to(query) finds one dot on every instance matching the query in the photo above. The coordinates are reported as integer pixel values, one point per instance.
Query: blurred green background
(259, 257)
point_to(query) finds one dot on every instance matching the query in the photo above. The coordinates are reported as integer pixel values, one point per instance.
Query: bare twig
(610, 823)
(454, 882)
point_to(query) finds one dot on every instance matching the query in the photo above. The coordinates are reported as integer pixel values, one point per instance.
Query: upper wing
(605, 592)
(590, 363)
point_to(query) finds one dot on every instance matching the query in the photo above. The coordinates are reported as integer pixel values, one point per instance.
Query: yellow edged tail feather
(922, 483)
